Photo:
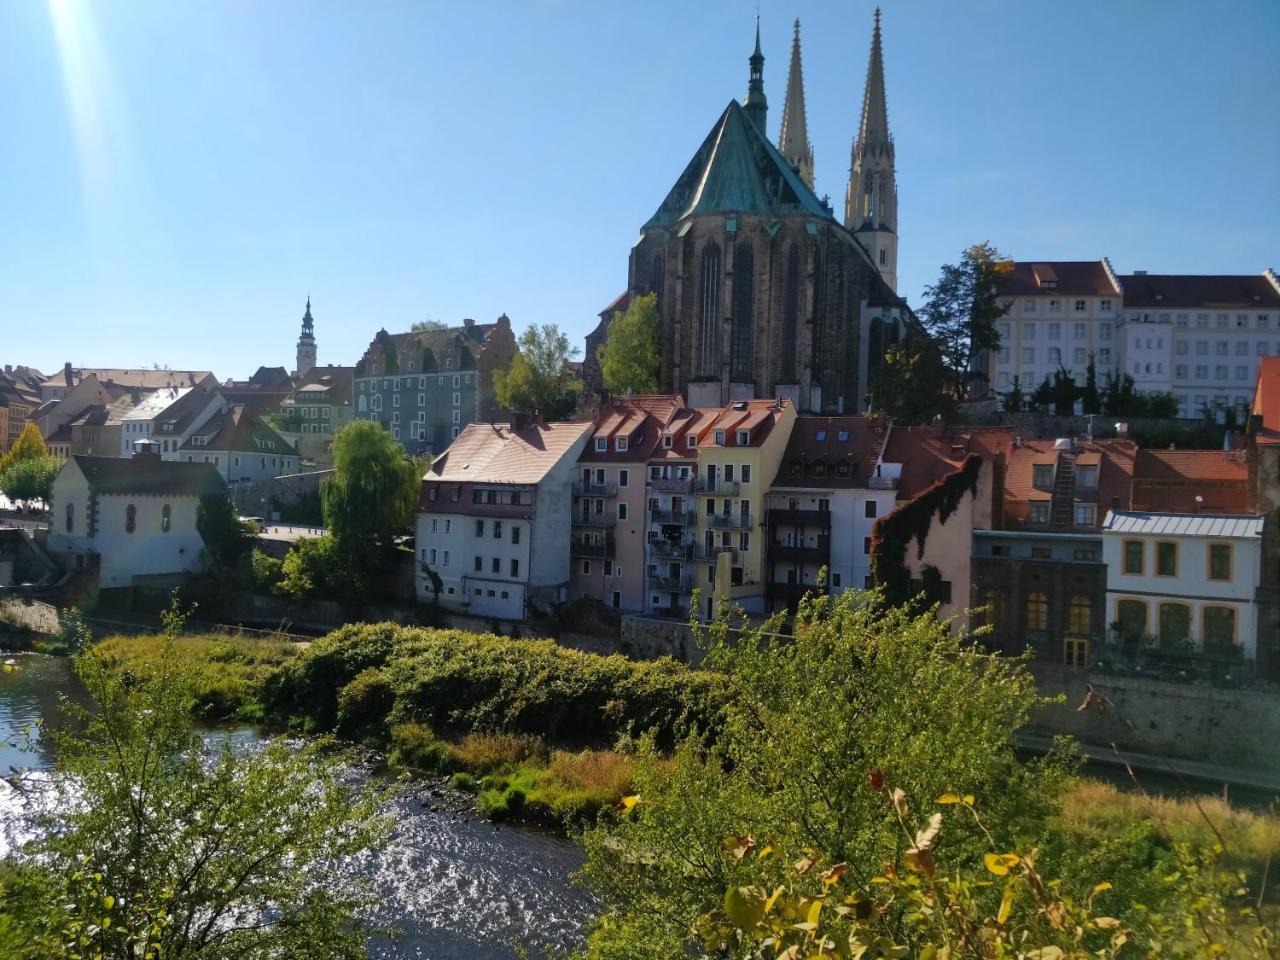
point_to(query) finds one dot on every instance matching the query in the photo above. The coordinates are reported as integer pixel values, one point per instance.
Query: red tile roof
(497, 453)
(1266, 400)
(757, 416)
(1063, 277)
(1169, 481)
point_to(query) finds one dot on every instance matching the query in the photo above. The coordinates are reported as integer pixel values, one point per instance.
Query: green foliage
(1090, 397)
(912, 384)
(961, 310)
(463, 781)
(314, 567)
(893, 533)
(1065, 392)
(1122, 399)
(265, 572)
(365, 703)
(414, 745)
(865, 693)
(30, 478)
(225, 536)
(540, 380)
(161, 847)
(1042, 396)
(29, 446)
(1014, 400)
(631, 355)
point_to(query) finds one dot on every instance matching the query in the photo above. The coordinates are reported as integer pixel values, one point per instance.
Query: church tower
(871, 201)
(755, 105)
(307, 343)
(793, 138)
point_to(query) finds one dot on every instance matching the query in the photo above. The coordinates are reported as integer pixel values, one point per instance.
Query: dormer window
(719, 438)
(795, 469)
(666, 441)
(602, 444)
(820, 436)
(843, 436)
(818, 469)
(843, 470)
(621, 444)
(1087, 478)
(691, 441)
(744, 438)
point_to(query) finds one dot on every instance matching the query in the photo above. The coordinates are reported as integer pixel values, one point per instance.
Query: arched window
(1080, 616)
(709, 312)
(130, 518)
(362, 405)
(875, 344)
(656, 274)
(1037, 611)
(71, 517)
(1131, 616)
(1218, 629)
(1175, 624)
(790, 315)
(166, 518)
(994, 602)
(740, 345)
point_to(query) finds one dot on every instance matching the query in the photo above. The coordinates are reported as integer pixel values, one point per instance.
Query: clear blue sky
(176, 176)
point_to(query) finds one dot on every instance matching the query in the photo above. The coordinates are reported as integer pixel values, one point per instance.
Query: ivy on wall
(892, 534)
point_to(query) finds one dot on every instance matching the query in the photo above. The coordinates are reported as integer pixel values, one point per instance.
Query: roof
(756, 416)
(737, 170)
(619, 305)
(238, 429)
(148, 379)
(641, 419)
(154, 404)
(1266, 400)
(148, 474)
(1236, 526)
(330, 383)
(1189, 481)
(1250, 291)
(926, 454)
(1062, 277)
(499, 453)
(854, 441)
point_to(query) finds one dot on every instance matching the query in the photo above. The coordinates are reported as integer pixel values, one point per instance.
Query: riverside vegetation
(851, 792)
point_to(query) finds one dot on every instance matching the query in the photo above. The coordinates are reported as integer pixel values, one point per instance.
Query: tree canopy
(540, 380)
(30, 478)
(631, 355)
(225, 536)
(29, 445)
(911, 383)
(961, 310)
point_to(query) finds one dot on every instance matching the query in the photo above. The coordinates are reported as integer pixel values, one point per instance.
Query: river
(455, 886)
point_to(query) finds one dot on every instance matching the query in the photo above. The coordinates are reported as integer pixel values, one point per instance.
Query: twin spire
(793, 138)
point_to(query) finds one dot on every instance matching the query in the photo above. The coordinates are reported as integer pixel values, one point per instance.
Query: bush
(463, 781)
(492, 804)
(365, 702)
(265, 572)
(414, 745)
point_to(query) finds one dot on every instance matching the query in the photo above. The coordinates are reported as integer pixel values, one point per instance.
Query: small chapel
(763, 291)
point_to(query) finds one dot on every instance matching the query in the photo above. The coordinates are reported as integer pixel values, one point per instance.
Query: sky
(176, 176)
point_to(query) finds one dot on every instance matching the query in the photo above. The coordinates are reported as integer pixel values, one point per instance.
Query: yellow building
(739, 450)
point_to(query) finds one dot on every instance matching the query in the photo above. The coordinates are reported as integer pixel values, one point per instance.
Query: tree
(631, 355)
(1014, 399)
(225, 536)
(911, 383)
(540, 380)
(314, 567)
(1042, 397)
(1065, 392)
(1090, 398)
(428, 326)
(161, 846)
(812, 719)
(30, 478)
(29, 446)
(961, 310)
(371, 497)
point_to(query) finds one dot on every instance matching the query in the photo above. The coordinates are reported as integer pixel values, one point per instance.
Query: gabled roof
(149, 379)
(149, 475)
(499, 453)
(238, 430)
(737, 170)
(1247, 292)
(756, 416)
(1237, 526)
(831, 440)
(1170, 481)
(1086, 278)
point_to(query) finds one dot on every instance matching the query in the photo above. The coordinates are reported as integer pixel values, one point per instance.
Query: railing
(804, 554)
(733, 521)
(584, 488)
(673, 551)
(721, 488)
(1224, 667)
(882, 483)
(676, 584)
(590, 519)
(800, 518)
(580, 548)
(672, 484)
(703, 552)
(682, 517)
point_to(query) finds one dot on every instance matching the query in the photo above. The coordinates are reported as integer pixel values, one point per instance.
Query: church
(763, 292)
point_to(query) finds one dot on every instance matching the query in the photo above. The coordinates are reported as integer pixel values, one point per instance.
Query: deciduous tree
(961, 310)
(540, 380)
(28, 446)
(912, 384)
(30, 478)
(632, 351)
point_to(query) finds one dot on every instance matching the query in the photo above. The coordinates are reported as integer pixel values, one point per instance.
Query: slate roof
(498, 453)
(330, 383)
(1236, 526)
(737, 170)
(239, 430)
(816, 439)
(148, 474)
(1250, 291)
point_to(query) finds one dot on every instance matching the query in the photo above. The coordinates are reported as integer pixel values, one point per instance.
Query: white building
(1184, 581)
(494, 518)
(240, 445)
(1199, 336)
(168, 416)
(137, 515)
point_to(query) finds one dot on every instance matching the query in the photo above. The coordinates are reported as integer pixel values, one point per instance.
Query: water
(454, 886)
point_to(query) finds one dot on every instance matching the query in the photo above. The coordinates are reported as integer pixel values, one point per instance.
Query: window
(1037, 612)
(1028, 306)
(515, 534)
(1042, 475)
(1041, 553)
(479, 565)
(744, 438)
(666, 441)
(1000, 550)
(1080, 615)
(166, 518)
(1087, 478)
(1218, 629)
(620, 444)
(446, 558)
(869, 509)
(1219, 561)
(622, 511)
(1040, 513)
(624, 478)
(1134, 553)
(602, 444)
(495, 564)
(993, 600)
(586, 568)
(497, 529)
(1131, 618)
(1104, 329)
(1028, 354)
(746, 473)
(455, 381)
(1079, 306)
(691, 441)
(1166, 559)
(1075, 651)
(515, 567)
(1055, 306)
(479, 527)
(1085, 554)
(720, 438)
(457, 399)
(1175, 624)
(71, 517)
(130, 518)
(1055, 331)
(1085, 514)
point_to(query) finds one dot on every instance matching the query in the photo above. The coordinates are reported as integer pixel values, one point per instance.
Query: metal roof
(1238, 526)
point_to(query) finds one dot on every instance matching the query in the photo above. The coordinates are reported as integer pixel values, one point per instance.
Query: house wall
(949, 547)
(397, 401)
(627, 567)
(455, 541)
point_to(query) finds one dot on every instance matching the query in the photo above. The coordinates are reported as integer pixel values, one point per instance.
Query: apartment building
(169, 416)
(240, 445)
(318, 407)
(494, 519)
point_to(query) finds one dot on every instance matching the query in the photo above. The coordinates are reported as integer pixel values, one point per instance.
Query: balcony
(668, 550)
(588, 518)
(680, 583)
(682, 518)
(800, 518)
(704, 486)
(709, 554)
(672, 484)
(733, 521)
(882, 483)
(604, 551)
(583, 488)
(799, 553)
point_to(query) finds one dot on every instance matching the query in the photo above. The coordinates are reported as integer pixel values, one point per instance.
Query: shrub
(365, 702)
(603, 773)
(265, 572)
(498, 751)
(492, 804)
(414, 745)
(463, 781)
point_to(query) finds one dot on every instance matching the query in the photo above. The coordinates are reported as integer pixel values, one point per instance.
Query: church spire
(307, 342)
(793, 138)
(871, 200)
(755, 105)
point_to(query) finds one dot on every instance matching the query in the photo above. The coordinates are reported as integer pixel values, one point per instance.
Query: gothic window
(819, 314)
(709, 312)
(656, 278)
(790, 315)
(875, 344)
(743, 301)
(71, 517)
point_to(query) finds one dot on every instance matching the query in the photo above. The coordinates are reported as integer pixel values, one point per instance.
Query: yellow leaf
(999, 863)
(968, 799)
(1106, 923)
(764, 852)
(628, 803)
(108, 901)
(834, 874)
(1102, 886)
(949, 798)
(814, 909)
(773, 898)
(804, 865)
(744, 906)
(1006, 905)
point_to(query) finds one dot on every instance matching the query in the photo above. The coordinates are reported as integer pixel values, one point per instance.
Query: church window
(71, 517)
(655, 280)
(740, 341)
(709, 316)
(791, 314)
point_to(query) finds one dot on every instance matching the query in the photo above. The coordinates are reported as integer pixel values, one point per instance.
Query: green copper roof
(737, 170)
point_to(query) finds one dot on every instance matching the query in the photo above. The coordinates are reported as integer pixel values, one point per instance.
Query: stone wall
(648, 638)
(1225, 727)
(257, 499)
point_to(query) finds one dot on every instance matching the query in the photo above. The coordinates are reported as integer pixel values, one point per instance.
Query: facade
(425, 386)
(240, 445)
(169, 416)
(134, 517)
(494, 519)
(1184, 581)
(763, 292)
(1200, 336)
(318, 408)
(20, 391)
(262, 393)
(1263, 438)
(822, 508)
